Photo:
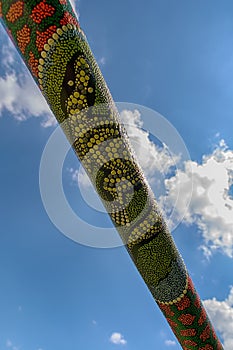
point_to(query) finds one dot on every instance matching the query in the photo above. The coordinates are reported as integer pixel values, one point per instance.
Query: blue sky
(177, 59)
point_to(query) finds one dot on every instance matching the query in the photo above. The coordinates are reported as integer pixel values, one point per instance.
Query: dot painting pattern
(58, 56)
(190, 322)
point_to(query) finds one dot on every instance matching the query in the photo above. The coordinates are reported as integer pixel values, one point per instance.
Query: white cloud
(152, 158)
(10, 345)
(118, 339)
(102, 61)
(211, 207)
(221, 314)
(49, 120)
(80, 177)
(19, 94)
(20, 308)
(8, 55)
(22, 99)
(170, 342)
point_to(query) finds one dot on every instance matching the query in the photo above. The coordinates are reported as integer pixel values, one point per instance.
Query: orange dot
(23, 38)
(15, 11)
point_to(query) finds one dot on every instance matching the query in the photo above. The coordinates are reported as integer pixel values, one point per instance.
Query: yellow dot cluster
(88, 140)
(118, 183)
(47, 47)
(78, 99)
(146, 228)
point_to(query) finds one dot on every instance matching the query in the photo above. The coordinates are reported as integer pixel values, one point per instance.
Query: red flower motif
(15, 11)
(68, 18)
(190, 342)
(191, 332)
(197, 302)
(191, 286)
(166, 309)
(207, 347)
(33, 64)
(172, 323)
(41, 11)
(186, 319)
(42, 37)
(183, 304)
(202, 318)
(23, 38)
(205, 334)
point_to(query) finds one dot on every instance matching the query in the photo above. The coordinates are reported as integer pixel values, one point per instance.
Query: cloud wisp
(14, 97)
(117, 338)
(169, 342)
(10, 345)
(221, 314)
(19, 95)
(211, 206)
(152, 158)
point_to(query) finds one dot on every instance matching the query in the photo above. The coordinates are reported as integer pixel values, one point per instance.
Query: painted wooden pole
(55, 50)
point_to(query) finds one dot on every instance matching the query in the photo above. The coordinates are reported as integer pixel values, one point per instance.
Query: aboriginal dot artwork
(56, 51)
